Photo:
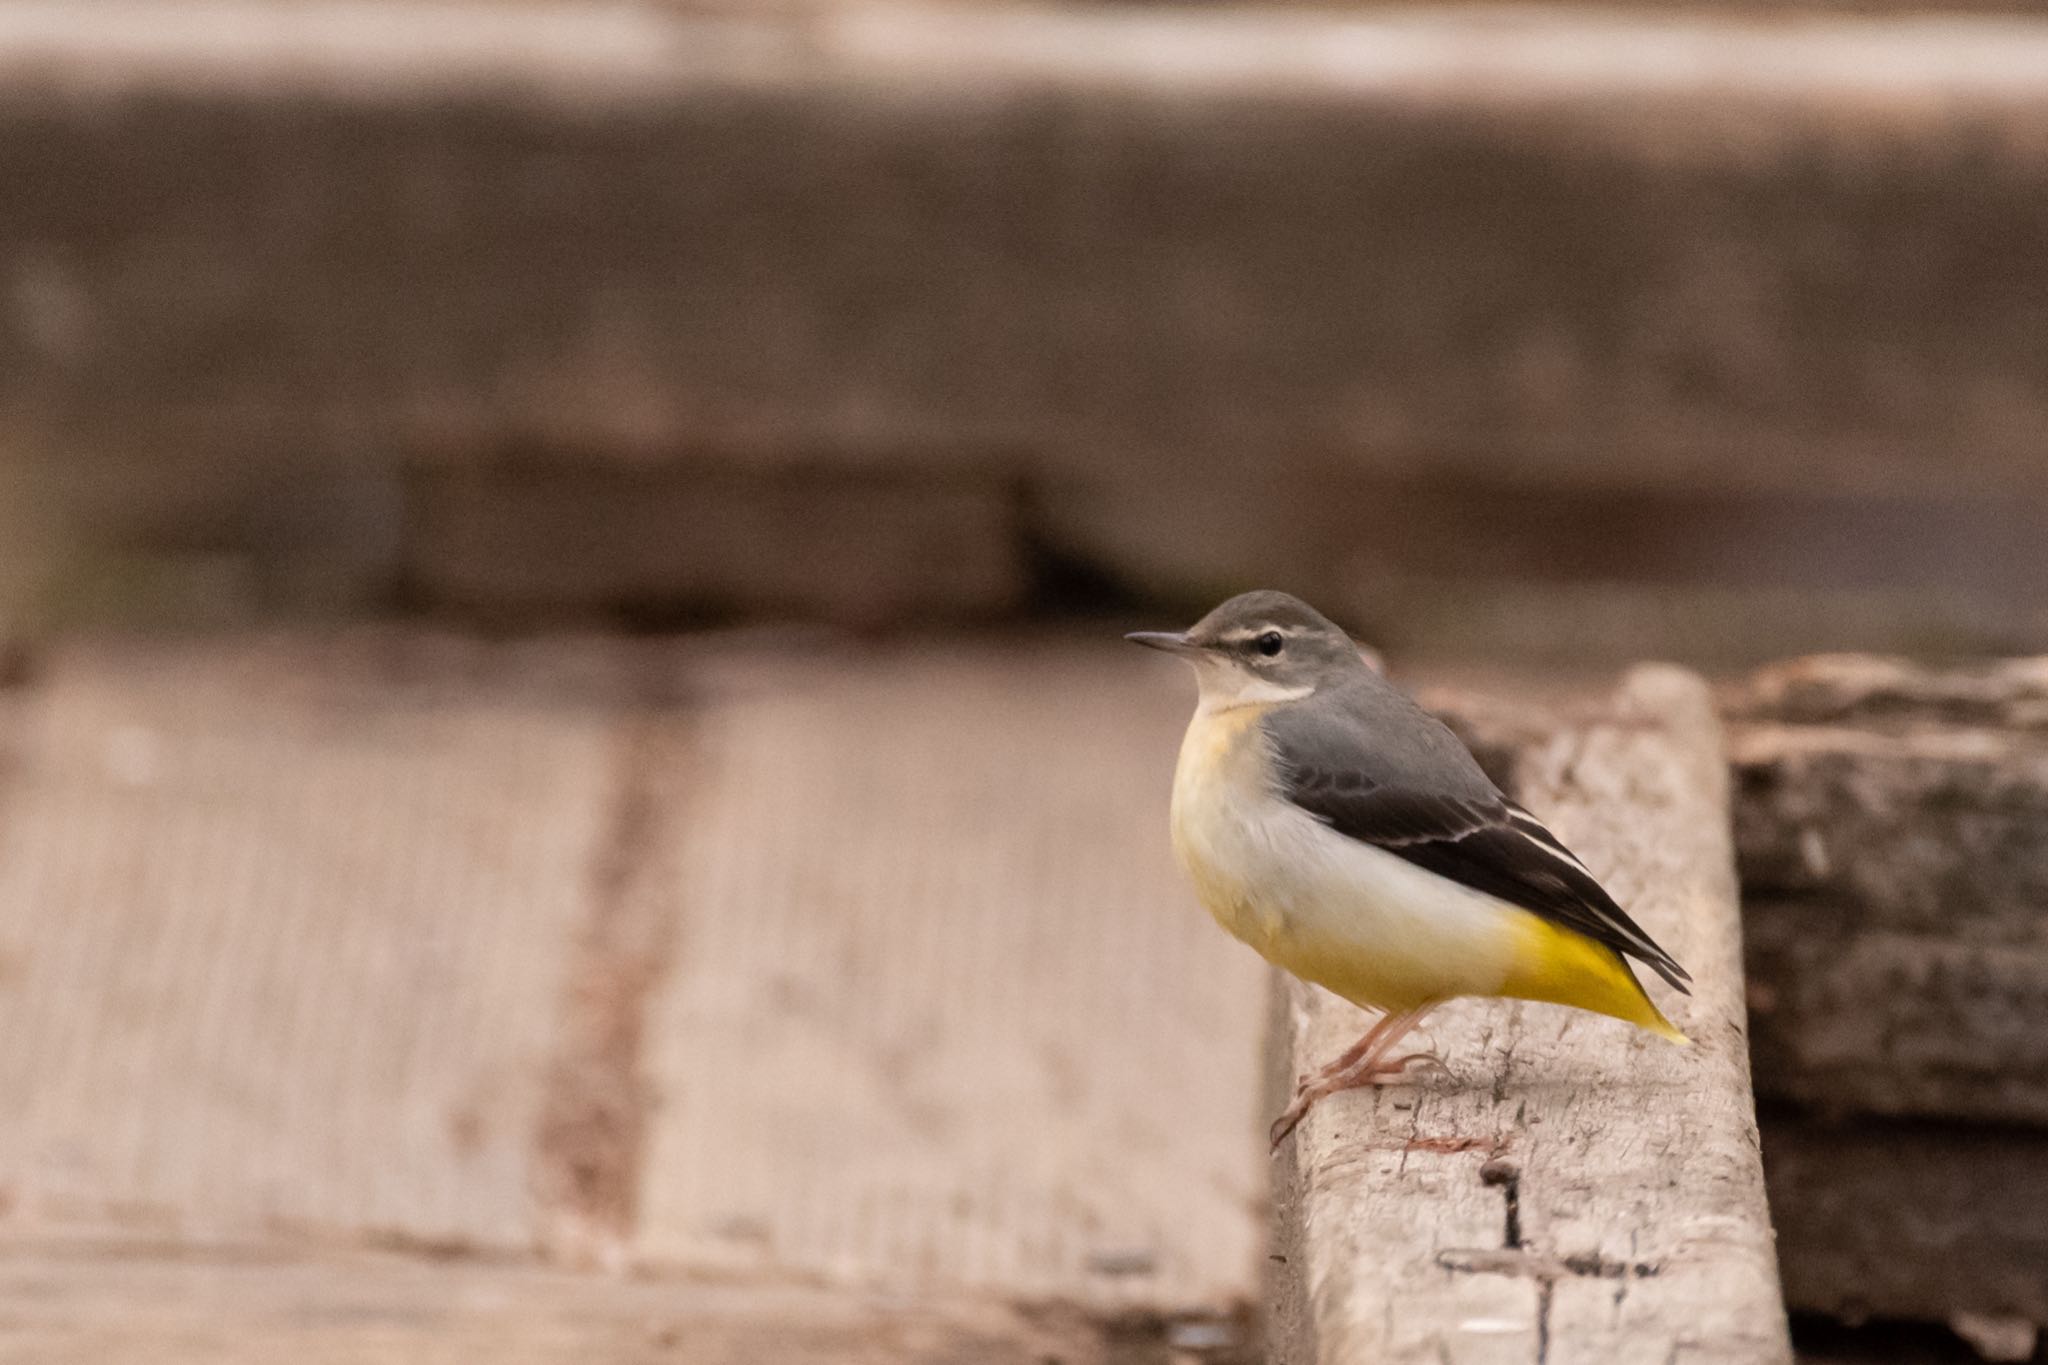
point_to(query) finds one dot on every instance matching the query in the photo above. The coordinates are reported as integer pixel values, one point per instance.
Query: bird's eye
(1270, 643)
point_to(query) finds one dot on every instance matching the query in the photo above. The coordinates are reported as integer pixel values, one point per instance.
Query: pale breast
(1356, 920)
(1221, 774)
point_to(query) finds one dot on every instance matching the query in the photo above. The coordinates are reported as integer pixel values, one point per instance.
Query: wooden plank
(282, 931)
(137, 1303)
(867, 966)
(1887, 821)
(944, 1011)
(1580, 1191)
(1910, 1219)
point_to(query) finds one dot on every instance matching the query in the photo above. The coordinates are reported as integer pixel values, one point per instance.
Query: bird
(1349, 837)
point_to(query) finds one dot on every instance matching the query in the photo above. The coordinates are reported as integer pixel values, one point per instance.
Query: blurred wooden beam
(251, 286)
(1579, 246)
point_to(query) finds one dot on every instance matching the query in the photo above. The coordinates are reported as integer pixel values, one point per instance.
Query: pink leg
(1352, 1054)
(1364, 1063)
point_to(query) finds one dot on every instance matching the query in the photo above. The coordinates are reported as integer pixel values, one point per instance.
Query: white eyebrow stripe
(1243, 633)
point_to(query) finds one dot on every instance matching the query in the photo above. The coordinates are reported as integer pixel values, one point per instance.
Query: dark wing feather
(1480, 840)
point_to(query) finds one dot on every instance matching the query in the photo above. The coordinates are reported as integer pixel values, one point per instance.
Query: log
(1579, 1191)
(1888, 828)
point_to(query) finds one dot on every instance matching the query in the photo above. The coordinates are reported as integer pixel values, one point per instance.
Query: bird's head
(1261, 648)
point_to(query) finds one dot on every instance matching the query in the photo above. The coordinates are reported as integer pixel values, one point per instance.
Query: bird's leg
(1362, 1064)
(1352, 1054)
(1366, 1056)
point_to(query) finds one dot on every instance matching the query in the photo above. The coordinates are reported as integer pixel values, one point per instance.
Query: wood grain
(1579, 1191)
(281, 933)
(867, 966)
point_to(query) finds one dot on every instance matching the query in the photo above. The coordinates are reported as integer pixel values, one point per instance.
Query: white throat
(1226, 686)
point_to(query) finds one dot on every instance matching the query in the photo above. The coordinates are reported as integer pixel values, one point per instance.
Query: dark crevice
(1066, 580)
(17, 660)
(1543, 1292)
(592, 1135)
(1507, 1177)
(1595, 1267)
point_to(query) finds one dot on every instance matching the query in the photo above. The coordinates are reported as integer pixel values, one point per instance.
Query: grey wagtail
(1347, 836)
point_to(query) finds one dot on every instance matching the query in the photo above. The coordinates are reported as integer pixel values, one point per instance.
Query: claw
(1307, 1093)
(1360, 1065)
(1429, 1060)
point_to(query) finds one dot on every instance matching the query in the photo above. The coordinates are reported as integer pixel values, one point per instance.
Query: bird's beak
(1172, 641)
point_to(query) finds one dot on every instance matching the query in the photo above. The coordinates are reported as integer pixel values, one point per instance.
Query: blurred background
(566, 782)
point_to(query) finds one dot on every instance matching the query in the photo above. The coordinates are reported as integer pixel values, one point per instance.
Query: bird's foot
(1331, 1080)
(1428, 1061)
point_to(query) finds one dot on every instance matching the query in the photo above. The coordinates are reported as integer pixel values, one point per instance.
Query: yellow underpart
(1362, 923)
(1555, 964)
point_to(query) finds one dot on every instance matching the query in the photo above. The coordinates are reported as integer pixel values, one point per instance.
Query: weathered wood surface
(100, 1302)
(1890, 835)
(1890, 693)
(762, 958)
(1850, 1019)
(282, 929)
(1580, 1192)
(1908, 1219)
(944, 1009)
